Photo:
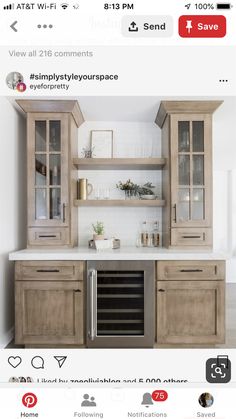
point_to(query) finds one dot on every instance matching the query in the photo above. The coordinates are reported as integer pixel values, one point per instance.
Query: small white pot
(98, 237)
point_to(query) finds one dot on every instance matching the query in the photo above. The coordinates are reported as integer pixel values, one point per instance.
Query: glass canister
(156, 234)
(144, 234)
(149, 235)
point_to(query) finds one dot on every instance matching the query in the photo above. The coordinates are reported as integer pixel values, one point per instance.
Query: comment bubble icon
(37, 362)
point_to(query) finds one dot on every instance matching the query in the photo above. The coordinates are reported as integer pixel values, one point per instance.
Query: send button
(152, 27)
(147, 26)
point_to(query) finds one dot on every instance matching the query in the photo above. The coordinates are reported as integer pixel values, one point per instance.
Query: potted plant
(129, 188)
(132, 190)
(98, 229)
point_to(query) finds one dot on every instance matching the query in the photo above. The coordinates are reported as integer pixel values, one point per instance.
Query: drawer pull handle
(77, 290)
(47, 270)
(47, 236)
(191, 237)
(191, 270)
(161, 290)
(175, 213)
(64, 213)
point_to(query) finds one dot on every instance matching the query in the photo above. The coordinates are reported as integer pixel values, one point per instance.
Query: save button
(202, 26)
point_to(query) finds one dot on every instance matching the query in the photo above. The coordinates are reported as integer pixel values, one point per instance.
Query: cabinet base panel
(54, 346)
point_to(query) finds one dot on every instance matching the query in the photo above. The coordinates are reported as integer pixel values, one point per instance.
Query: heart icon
(14, 361)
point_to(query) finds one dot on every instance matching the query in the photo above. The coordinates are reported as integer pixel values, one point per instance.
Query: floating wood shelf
(119, 163)
(119, 203)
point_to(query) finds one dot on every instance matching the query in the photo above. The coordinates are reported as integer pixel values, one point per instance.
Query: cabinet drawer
(49, 270)
(48, 236)
(191, 236)
(194, 270)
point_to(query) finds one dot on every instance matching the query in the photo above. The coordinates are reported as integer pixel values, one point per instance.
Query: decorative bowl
(149, 197)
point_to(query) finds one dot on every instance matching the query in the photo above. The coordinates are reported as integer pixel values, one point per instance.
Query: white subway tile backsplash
(131, 139)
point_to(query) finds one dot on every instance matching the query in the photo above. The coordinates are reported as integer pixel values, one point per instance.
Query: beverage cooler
(120, 304)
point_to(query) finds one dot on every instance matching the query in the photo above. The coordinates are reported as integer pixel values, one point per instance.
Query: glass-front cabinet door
(191, 170)
(49, 160)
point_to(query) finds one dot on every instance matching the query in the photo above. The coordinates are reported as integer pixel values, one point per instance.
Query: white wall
(12, 209)
(224, 133)
(224, 179)
(131, 139)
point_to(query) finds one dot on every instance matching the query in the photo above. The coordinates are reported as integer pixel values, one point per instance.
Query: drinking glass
(106, 193)
(97, 193)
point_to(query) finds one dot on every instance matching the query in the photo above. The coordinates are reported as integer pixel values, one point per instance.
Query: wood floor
(230, 324)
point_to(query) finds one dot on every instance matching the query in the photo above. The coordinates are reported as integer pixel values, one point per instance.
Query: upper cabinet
(52, 141)
(187, 176)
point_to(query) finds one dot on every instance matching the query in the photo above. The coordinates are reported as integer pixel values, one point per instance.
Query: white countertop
(125, 253)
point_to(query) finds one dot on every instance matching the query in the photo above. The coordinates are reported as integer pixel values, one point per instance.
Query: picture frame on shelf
(102, 143)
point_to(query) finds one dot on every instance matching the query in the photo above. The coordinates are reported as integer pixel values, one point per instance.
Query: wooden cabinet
(187, 177)
(49, 303)
(190, 302)
(51, 183)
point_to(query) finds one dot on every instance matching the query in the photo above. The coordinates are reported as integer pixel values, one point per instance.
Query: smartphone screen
(118, 209)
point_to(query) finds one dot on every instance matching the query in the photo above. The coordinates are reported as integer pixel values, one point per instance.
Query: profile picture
(15, 81)
(13, 380)
(206, 400)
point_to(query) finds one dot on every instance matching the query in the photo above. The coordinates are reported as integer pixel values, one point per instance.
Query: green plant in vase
(130, 188)
(99, 230)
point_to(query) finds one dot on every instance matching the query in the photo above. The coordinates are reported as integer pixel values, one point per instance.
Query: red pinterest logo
(29, 400)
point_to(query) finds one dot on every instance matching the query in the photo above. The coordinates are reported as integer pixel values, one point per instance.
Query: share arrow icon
(61, 360)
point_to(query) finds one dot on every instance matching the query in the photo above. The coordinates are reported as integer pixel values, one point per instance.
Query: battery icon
(223, 6)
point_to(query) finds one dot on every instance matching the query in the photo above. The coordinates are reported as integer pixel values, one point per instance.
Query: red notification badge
(159, 396)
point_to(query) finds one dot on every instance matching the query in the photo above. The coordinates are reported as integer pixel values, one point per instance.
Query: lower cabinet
(190, 302)
(49, 303)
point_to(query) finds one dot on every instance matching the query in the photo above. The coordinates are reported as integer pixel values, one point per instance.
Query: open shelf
(119, 203)
(119, 163)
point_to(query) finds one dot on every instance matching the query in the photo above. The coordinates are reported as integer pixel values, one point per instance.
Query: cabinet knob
(77, 290)
(161, 290)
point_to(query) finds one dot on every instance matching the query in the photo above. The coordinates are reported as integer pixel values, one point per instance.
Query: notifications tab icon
(61, 360)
